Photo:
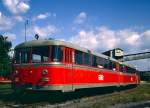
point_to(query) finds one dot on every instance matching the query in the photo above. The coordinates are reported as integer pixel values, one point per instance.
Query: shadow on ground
(7, 95)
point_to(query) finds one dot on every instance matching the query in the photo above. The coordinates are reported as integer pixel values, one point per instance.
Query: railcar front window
(22, 55)
(56, 54)
(40, 54)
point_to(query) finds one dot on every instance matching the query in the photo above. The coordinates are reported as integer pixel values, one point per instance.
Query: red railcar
(58, 65)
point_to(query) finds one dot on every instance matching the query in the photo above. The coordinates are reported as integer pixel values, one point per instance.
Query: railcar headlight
(44, 72)
(16, 72)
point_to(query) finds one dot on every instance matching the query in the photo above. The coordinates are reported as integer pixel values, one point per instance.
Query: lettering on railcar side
(101, 77)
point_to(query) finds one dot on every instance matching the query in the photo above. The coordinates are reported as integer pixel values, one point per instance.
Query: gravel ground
(143, 104)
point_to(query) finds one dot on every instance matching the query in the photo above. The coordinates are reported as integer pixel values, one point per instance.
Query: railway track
(80, 99)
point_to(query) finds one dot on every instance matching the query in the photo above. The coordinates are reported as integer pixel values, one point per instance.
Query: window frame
(42, 57)
(20, 51)
(60, 59)
(80, 59)
(87, 59)
(94, 61)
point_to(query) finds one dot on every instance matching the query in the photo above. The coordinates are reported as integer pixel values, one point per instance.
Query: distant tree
(5, 64)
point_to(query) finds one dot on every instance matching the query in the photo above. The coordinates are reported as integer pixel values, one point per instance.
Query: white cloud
(6, 23)
(16, 6)
(23, 7)
(129, 36)
(80, 18)
(103, 38)
(107, 38)
(97, 39)
(10, 36)
(145, 38)
(133, 39)
(18, 18)
(85, 39)
(43, 32)
(147, 33)
(42, 16)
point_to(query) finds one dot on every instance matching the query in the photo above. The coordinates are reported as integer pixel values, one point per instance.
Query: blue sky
(95, 24)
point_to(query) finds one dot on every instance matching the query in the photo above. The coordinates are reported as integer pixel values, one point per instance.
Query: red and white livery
(58, 65)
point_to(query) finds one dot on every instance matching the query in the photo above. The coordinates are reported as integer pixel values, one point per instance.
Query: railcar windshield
(39, 54)
(56, 53)
(22, 55)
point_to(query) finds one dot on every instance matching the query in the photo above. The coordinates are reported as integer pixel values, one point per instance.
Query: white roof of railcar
(35, 43)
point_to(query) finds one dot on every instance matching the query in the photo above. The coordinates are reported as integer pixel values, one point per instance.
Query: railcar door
(119, 74)
(68, 60)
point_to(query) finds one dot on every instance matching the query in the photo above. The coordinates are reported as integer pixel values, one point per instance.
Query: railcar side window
(94, 61)
(106, 63)
(100, 62)
(114, 66)
(22, 55)
(56, 54)
(124, 68)
(121, 68)
(130, 70)
(110, 65)
(86, 59)
(40, 54)
(78, 57)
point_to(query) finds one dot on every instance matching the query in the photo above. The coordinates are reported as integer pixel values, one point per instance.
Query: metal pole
(26, 22)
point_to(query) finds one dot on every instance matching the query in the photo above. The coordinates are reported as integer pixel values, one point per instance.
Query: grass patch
(141, 93)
